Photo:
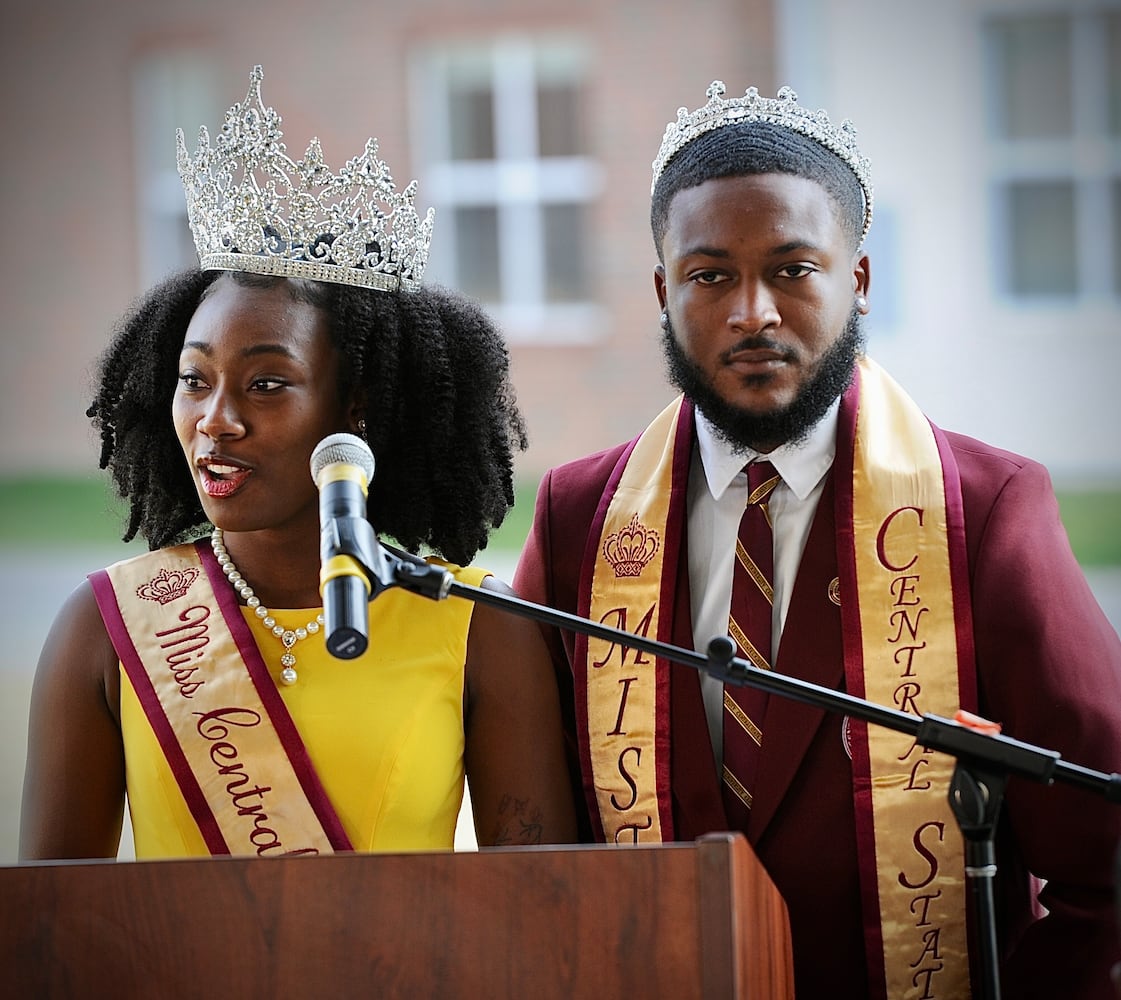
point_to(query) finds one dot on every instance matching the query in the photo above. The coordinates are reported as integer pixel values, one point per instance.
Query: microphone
(342, 467)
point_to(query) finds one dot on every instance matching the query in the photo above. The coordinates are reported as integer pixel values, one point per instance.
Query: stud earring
(664, 320)
(861, 302)
(362, 428)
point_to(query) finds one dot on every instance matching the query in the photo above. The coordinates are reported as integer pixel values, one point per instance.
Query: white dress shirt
(716, 501)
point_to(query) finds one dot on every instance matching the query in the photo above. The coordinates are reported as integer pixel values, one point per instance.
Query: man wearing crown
(877, 554)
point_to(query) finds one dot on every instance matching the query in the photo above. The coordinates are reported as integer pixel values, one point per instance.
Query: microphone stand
(984, 760)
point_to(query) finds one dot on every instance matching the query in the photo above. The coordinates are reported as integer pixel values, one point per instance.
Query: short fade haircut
(747, 148)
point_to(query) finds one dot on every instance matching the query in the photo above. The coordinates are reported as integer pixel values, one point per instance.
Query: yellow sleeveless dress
(384, 731)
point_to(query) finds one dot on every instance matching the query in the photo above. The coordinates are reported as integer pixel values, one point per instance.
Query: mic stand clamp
(421, 577)
(383, 566)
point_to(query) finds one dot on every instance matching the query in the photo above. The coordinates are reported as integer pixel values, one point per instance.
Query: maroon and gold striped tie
(749, 624)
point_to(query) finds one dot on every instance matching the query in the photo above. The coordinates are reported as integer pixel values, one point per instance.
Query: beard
(791, 424)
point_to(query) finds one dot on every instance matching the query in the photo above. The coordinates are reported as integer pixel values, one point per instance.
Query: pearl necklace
(287, 636)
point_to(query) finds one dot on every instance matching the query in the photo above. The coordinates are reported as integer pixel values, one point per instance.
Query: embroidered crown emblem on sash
(630, 549)
(168, 585)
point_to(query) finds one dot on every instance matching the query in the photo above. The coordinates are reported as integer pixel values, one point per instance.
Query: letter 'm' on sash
(901, 553)
(230, 743)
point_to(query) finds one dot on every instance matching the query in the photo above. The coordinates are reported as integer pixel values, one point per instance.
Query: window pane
(558, 121)
(472, 125)
(1041, 219)
(470, 106)
(476, 251)
(559, 67)
(566, 271)
(1033, 76)
(1113, 69)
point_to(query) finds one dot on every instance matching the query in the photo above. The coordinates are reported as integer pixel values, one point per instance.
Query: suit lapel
(810, 650)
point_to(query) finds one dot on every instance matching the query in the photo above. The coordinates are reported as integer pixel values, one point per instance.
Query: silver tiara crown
(784, 111)
(251, 208)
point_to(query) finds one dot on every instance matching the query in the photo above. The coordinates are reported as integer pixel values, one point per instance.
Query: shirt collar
(801, 465)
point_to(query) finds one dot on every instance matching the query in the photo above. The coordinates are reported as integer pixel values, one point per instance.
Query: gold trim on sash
(203, 696)
(623, 709)
(910, 662)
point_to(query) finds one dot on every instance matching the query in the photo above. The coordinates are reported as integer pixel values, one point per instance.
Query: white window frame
(1088, 158)
(517, 183)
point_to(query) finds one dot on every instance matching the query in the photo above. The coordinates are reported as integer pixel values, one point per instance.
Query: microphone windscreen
(346, 448)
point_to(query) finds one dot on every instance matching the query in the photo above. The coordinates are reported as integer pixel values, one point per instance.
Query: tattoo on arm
(519, 822)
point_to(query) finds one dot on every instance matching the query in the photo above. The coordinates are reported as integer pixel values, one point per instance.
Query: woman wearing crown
(195, 679)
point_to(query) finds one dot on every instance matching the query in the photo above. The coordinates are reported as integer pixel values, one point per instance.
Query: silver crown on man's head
(252, 208)
(784, 111)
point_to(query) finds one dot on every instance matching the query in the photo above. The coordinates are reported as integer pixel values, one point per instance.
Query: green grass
(511, 534)
(1093, 523)
(59, 510)
(65, 511)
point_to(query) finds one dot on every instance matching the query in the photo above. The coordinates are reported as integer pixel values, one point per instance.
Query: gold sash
(208, 696)
(908, 645)
(623, 702)
(907, 642)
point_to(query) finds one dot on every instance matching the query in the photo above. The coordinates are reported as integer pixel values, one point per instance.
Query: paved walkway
(32, 587)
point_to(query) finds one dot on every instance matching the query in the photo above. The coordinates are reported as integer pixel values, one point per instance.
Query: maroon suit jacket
(1049, 670)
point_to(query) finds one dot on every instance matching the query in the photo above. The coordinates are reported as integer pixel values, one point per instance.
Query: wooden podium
(674, 921)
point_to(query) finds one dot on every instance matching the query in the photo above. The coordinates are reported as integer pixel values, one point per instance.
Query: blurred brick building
(994, 129)
(530, 127)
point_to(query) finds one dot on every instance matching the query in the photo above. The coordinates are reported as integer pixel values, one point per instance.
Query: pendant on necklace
(288, 659)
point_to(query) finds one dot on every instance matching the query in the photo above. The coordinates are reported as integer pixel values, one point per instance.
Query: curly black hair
(433, 370)
(758, 148)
